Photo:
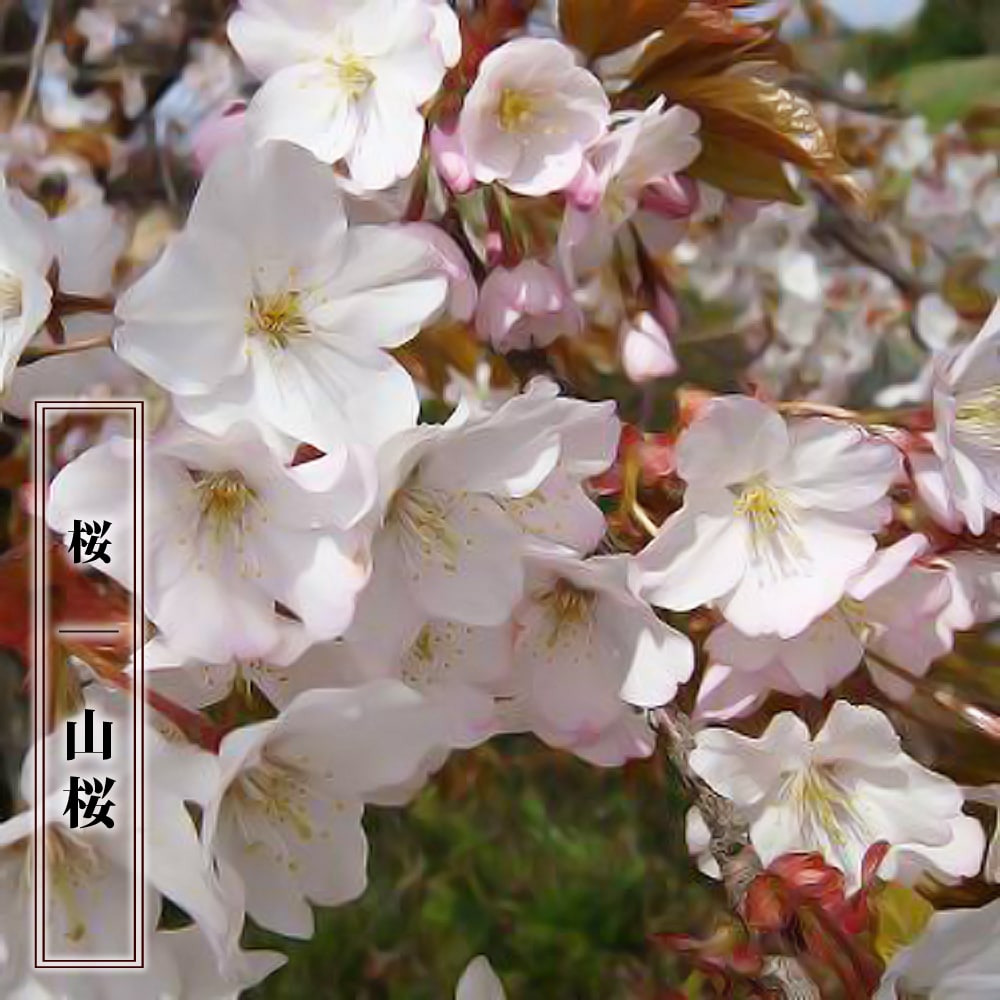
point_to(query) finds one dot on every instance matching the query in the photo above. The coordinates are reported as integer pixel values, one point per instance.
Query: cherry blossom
(768, 529)
(298, 308)
(286, 816)
(346, 81)
(957, 957)
(967, 424)
(893, 608)
(642, 147)
(458, 502)
(531, 115)
(526, 306)
(585, 647)
(841, 791)
(229, 532)
(26, 251)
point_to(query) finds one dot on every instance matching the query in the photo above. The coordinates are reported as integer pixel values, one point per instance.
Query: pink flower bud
(674, 196)
(526, 306)
(450, 161)
(585, 190)
(645, 348)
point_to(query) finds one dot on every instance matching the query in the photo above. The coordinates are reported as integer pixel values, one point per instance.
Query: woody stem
(730, 845)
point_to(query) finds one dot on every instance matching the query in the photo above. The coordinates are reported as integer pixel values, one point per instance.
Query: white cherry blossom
(281, 314)
(229, 531)
(967, 425)
(957, 957)
(346, 80)
(531, 115)
(777, 516)
(839, 793)
(642, 147)
(586, 649)
(459, 501)
(26, 251)
(286, 816)
(893, 608)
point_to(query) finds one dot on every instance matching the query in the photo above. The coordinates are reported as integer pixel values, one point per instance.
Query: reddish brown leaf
(600, 27)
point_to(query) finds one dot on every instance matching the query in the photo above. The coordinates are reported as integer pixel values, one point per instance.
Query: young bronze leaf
(600, 27)
(741, 170)
(763, 115)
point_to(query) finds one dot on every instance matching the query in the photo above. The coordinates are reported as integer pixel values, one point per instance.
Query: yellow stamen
(568, 607)
(978, 416)
(516, 110)
(354, 75)
(278, 318)
(10, 296)
(225, 500)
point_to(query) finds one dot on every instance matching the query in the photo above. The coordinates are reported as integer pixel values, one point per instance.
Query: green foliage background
(558, 871)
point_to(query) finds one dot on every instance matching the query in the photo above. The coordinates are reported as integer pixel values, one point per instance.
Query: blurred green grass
(947, 90)
(556, 870)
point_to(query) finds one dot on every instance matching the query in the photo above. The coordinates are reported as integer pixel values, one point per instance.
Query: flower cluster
(432, 266)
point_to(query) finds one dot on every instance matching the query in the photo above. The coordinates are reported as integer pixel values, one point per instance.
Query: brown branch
(35, 66)
(731, 848)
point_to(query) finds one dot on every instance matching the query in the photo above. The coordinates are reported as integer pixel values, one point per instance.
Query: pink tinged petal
(183, 323)
(586, 190)
(560, 511)
(331, 867)
(726, 693)
(886, 566)
(932, 489)
(748, 770)
(661, 657)
(222, 130)
(317, 576)
(267, 41)
(470, 571)
(959, 858)
(334, 728)
(388, 142)
(646, 350)
(865, 468)
(699, 554)
(298, 222)
(733, 439)
(785, 595)
(856, 732)
(387, 285)
(303, 105)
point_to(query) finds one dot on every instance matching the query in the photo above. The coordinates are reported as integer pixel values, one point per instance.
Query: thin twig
(35, 67)
(730, 846)
(38, 351)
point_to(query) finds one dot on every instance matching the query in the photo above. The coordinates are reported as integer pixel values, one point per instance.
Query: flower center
(825, 807)
(422, 514)
(354, 76)
(568, 607)
(516, 110)
(224, 499)
(72, 864)
(978, 416)
(278, 318)
(277, 793)
(770, 517)
(10, 296)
